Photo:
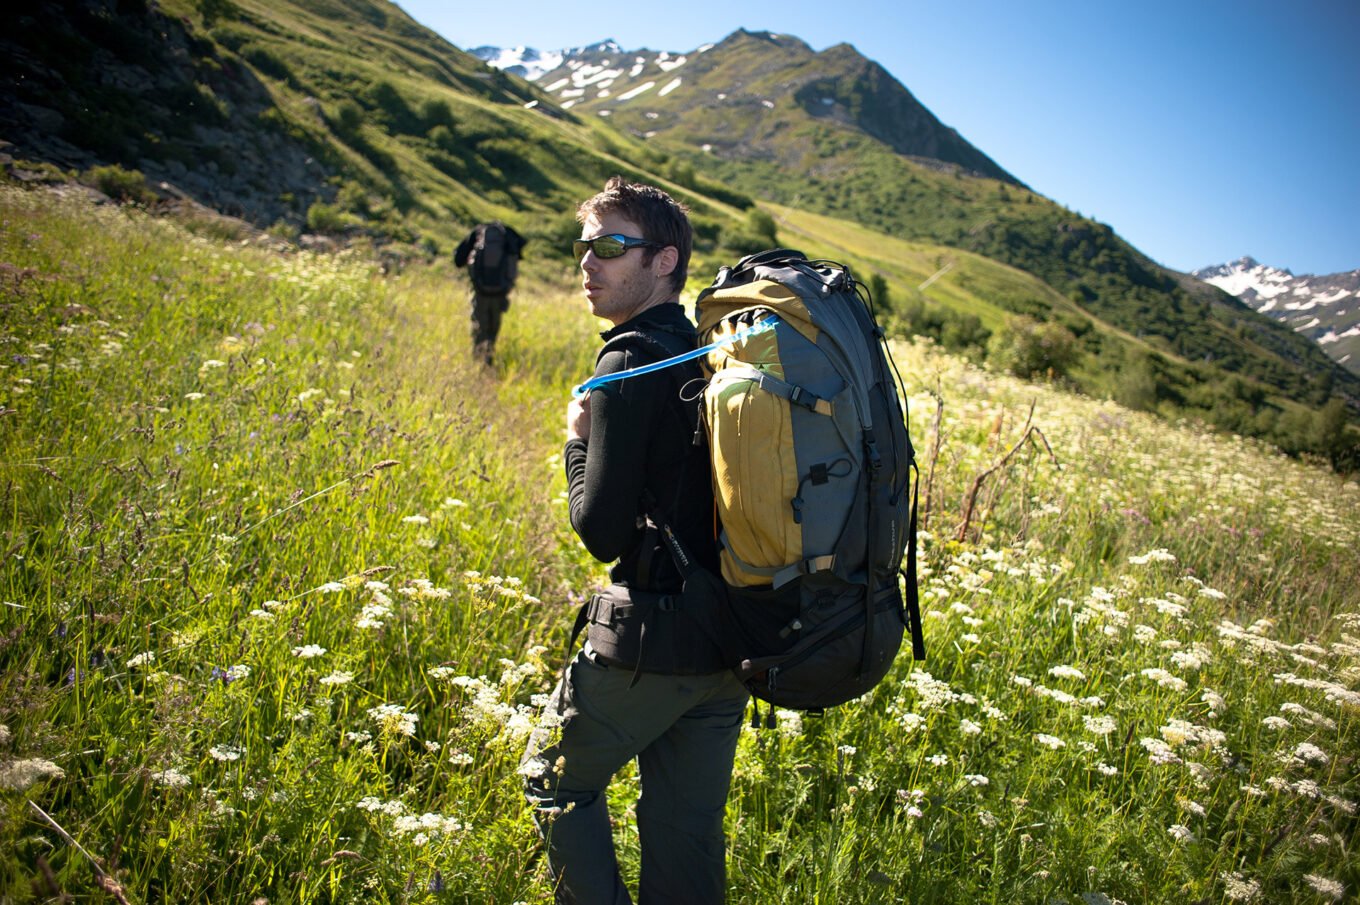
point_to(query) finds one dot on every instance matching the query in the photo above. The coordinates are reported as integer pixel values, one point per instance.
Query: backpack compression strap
(912, 602)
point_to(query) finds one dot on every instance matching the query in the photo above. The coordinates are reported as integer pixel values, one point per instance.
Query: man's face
(619, 288)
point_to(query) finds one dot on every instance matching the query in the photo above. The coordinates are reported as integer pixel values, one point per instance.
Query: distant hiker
(632, 465)
(491, 254)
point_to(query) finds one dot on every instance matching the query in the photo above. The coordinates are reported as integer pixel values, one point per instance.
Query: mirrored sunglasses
(610, 246)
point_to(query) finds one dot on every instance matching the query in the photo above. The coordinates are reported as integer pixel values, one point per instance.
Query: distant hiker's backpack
(812, 478)
(493, 261)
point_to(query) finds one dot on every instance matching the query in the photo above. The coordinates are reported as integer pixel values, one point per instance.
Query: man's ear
(665, 260)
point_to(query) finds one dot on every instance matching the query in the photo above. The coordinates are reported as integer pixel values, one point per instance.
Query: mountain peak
(767, 37)
(723, 92)
(1323, 308)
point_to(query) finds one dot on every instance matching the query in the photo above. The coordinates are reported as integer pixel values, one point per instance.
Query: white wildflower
(1324, 886)
(20, 774)
(1159, 752)
(171, 778)
(1160, 554)
(1239, 888)
(1098, 725)
(1164, 678)
(1305, 753)
(394, 719)
(790, 723)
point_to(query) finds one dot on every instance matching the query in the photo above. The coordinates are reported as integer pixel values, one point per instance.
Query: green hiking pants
(683, 731)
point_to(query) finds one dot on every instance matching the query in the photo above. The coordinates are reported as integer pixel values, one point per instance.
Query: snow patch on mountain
(1319, 307)
(634, 92)
(525, 62)
(598, 69)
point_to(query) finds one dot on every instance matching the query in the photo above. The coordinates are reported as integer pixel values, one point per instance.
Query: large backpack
(812, 479)
(492, 264)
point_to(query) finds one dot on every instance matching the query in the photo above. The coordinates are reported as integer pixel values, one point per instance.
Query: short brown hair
(662, 219)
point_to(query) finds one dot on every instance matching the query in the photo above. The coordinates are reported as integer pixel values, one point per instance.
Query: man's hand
(578, 418)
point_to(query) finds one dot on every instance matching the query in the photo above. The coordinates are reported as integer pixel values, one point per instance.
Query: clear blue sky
(1201, 130)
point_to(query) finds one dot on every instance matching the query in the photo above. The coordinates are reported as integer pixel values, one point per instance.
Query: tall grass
(285, 573)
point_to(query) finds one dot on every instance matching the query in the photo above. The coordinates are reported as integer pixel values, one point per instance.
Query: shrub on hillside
(744, 242)
(348, 117)
(266, 62)
(1030, 348)
(213, 11)
(434, 113)
(121, 184)
(328, 218)
(392, 110)
(1136, 384)
(761, 224)
(878, 291)
(956, 332)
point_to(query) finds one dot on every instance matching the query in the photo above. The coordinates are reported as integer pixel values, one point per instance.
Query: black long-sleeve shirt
(641, 454)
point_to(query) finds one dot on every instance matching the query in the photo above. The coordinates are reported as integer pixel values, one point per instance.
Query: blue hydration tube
(768, 323)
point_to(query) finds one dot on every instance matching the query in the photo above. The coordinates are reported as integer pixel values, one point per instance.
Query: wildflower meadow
(287, 576)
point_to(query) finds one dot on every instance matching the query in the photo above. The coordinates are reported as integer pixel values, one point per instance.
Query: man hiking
(634, 470)
(491, 254)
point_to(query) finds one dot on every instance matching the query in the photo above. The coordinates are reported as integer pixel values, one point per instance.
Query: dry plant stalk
(936, 441)
(1029, 434)
(102, 878)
